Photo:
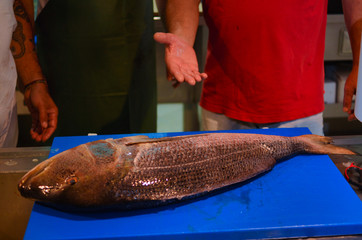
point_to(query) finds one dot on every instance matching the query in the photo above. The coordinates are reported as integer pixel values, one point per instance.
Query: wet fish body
(115, 172)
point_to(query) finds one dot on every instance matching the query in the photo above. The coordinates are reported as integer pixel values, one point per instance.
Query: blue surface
(305, 196)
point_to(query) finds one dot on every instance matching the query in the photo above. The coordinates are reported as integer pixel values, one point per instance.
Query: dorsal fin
(144, 139)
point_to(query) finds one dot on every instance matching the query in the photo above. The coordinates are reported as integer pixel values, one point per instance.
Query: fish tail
(322, 145)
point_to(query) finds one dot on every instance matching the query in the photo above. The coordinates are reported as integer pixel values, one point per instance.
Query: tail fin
(322, 145)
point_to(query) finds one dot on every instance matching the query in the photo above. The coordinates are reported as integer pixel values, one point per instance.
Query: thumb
(43, 117)
(163, 38)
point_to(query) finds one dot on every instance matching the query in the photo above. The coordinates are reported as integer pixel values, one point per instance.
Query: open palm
(180, 58)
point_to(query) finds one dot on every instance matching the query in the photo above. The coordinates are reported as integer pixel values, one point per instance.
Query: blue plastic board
(305, 196)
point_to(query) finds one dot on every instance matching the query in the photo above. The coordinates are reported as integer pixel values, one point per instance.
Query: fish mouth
(30, 187)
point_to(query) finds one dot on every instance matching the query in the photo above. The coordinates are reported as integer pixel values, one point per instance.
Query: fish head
(67, 178)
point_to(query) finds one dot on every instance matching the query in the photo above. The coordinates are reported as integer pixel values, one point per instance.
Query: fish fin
(322, 145)
(144, 139)
(134, 139)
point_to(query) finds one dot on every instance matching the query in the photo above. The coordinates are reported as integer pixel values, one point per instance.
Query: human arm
(353, 17)
(181, 20)
(42, 108)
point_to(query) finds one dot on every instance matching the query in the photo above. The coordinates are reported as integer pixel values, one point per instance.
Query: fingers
(347, 100)
(40, 133)
(35, 127)
(203, 76)
(43, 117)
(349, 91)
(352, 117)
(44, 123)
(176, 75)
(35, 135)
(183, 77)
(347, 104)
(47, 133)
(36, 132)
(189, 77)
(39, 122)
(52, 125)
(185, 74)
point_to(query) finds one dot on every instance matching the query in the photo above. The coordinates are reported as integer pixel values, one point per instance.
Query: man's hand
(349, 91)
(44, 112)
(180, 58)
(352, 10)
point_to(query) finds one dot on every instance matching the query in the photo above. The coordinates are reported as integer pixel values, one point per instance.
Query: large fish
(122, 172)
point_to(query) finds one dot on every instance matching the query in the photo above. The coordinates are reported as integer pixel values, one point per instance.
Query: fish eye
(71, 180)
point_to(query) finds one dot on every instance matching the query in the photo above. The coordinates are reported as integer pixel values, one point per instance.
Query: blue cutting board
(305, 196)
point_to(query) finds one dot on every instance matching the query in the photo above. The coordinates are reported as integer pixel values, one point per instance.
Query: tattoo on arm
(18, 43)
(19, 11)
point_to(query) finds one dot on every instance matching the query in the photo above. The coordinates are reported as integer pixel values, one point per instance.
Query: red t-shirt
(265, 59)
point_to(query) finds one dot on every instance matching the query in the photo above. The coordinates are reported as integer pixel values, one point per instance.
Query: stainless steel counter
(15, 210)
(353, 143)
(17, 160)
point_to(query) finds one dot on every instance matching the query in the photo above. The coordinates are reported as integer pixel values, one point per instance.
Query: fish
(136, 171)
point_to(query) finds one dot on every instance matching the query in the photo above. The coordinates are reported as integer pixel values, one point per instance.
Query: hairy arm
(353, 17)
(43, 110)
(181, 19)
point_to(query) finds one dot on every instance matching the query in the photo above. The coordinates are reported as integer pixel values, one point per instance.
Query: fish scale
(229, 161)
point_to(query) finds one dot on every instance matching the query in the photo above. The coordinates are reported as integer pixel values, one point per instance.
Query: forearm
(353, 17)
(180, 17)
(22, 46)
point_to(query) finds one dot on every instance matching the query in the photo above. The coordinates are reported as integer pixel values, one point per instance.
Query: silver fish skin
(136, 169)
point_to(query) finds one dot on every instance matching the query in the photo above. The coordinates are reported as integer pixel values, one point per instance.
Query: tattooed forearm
(22, 44)
(18, 43)
(19, 11)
